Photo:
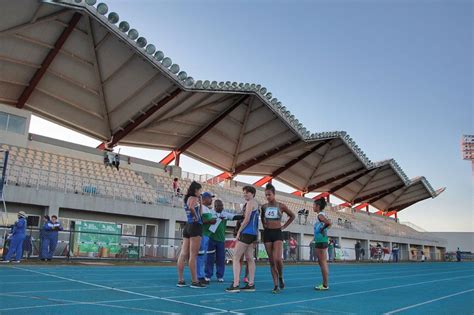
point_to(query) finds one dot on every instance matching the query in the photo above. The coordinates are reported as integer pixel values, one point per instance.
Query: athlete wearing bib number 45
(321, 225)
(272, 214)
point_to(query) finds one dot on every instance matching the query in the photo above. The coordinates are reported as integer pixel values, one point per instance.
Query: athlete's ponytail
(270, 187)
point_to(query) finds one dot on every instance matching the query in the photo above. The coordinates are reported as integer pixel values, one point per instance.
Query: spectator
(207, 220)
(18, 234)
(331, 250)
(300, 214)
(423, 257)
(312, 252)
(357, 250)
(458, 255)
(53, 236)
(306, 214)
(395, 251)
(116, 161)
(106, 159)
(373, 252)
(216, 245)
(176, 192)
(110, 158)
(285, 249)
(339, 221)
(362, 253)
(44, 237)
(293, 247)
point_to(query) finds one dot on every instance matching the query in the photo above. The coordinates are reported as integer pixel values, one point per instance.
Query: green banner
(90, 242)
(262, 253)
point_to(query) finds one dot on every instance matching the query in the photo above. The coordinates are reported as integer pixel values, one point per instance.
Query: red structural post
(321, 195)
(298, 193)
(169, 158)
(361, 206)
(346, 204)
(219, 178)
(263, 181)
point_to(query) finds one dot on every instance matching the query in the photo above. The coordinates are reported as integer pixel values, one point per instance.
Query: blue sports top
(19, 228)
(320, 236)
(252, 226)
(189, 214)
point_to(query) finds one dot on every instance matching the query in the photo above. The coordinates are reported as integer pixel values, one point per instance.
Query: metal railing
(73, 244)
(85, 245)
(78, 184)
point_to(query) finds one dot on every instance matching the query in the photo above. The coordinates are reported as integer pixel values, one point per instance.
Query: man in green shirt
(216, 234)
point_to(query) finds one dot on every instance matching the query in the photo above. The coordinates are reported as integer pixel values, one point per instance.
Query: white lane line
(124, 291)
(136, 309)
(350, 294)
(427, 302)
(96, 289)
(69, 302)
(336, 283)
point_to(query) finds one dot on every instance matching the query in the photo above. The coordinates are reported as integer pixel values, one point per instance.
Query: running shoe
(248, 288)
(321, 288)
(4, 261)
(276, 290)
(282, 283)
(15, 261)
(246, 280)
(207, 279)
(204, 281)
(220, 280)
(198, 285)
(233, 289)
(181, 284)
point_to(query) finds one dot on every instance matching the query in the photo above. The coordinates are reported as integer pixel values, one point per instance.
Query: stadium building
(78, 65)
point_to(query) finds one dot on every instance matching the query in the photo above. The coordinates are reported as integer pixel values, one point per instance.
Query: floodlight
(124, 26)
(113, 17)
(102, 8)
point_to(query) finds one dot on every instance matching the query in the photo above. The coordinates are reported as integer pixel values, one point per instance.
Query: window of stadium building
(12, 123)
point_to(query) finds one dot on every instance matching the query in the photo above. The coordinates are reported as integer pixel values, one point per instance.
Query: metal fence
(78, 184)
(81, 245)
(92, 245)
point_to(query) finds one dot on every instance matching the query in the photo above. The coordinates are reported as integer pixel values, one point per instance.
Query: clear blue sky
(396, 75)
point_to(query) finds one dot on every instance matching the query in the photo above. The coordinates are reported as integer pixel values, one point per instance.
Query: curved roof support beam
(262, 157)
(349, 181)
(378, 195)
(256, 160)
(175, 154)
(290, 164)
(119, 135)
(35, 80)
(405, 205)
(241, 133)
(336, 178)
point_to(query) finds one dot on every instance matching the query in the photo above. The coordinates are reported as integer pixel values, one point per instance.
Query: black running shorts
(321, 245)
(272, 235)
(192, 230)
(248, 238)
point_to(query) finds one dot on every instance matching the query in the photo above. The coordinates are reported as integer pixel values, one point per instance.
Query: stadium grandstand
(122, 224)
(77, 65)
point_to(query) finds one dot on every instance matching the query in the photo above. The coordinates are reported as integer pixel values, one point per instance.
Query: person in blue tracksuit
(17, 237)
(44, 237)
(53, 236)
(49, 237)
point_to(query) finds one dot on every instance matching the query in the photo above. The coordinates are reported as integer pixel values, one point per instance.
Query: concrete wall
(14, 138)
(463, 240)
(87, 207)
